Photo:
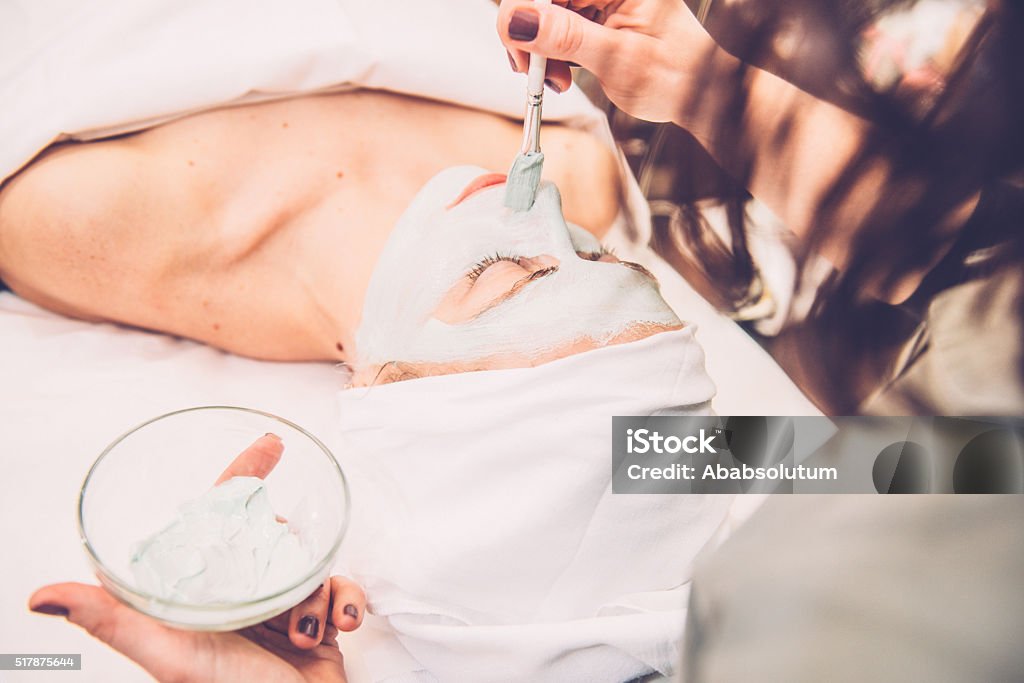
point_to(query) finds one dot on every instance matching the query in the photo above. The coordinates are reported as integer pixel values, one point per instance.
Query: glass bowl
(139, 482)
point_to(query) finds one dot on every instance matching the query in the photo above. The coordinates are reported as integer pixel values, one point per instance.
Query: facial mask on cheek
(432, 248)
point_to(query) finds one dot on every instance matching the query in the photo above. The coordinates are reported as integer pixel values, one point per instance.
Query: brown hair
(942, 149)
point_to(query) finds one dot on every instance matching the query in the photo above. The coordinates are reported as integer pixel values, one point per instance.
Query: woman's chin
(397, 371)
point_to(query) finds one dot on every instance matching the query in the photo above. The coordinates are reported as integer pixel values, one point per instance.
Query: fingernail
(54, 610)
(573, 64)
(551, 84)
(309, 625)
(512, 62)
(271, 434)
(351, 611)
(523, 25)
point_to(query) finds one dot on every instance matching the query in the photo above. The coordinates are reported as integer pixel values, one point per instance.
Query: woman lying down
(489, 353)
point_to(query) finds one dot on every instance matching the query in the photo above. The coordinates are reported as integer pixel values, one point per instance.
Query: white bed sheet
(67, 388)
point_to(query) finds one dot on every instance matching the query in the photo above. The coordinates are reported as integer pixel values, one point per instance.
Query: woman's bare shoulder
(70, 221)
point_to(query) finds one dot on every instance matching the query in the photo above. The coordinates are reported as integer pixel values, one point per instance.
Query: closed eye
(640, 269)
(608, 256)
(488, 261)
(516, 288)
(491, 282)
(602, 254)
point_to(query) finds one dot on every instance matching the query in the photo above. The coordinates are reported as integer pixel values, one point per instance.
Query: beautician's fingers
(342, 611)
(258, 460)
(557, 33)
(307, 619)
(558, 76)
(348, 604)
(338, 605)
(155, 647)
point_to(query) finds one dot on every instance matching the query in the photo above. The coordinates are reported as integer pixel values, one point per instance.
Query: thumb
(159, 649)
(558, 33)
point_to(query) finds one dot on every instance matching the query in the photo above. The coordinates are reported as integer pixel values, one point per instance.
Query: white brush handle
(538, 65)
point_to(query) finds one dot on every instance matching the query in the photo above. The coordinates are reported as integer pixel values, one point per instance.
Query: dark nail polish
(551, 84)
(523, 25)
(572, 64)
(512, 62)
(351, 611)
(309, 625)
(54, 610)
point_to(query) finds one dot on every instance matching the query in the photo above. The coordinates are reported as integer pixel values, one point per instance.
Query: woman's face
(465, 280)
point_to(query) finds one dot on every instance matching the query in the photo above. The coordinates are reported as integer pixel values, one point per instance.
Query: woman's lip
(486, 180)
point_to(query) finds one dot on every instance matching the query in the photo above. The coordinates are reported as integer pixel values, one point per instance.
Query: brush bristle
(523, 181)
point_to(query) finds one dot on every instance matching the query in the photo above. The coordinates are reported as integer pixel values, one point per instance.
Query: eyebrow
(514, 290)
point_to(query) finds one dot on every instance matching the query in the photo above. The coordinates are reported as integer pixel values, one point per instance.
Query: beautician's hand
(299, 645)
(652, 57)
(656, 62)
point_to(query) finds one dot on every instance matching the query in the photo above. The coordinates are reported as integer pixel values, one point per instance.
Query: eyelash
(489, 261)
(596, 255)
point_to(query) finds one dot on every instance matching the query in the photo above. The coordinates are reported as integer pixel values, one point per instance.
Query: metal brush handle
(531, 124)
(534, 99)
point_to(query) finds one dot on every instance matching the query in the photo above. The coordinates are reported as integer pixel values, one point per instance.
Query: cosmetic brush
(524, 178)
